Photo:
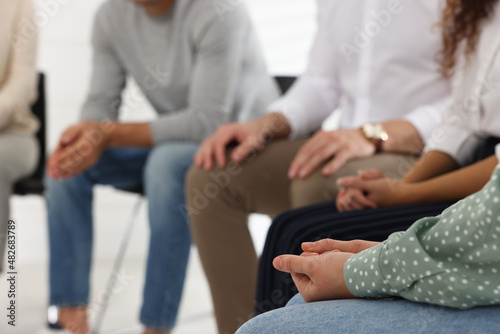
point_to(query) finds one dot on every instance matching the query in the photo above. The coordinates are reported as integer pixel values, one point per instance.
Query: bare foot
(74, 319)
(150, 331)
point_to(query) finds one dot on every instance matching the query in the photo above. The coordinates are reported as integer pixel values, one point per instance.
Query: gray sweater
(197, 67)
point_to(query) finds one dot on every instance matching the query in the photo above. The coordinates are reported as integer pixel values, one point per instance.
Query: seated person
(459, 138)
(18, 78)
(198, 71)
(367, 78)
(451, 261)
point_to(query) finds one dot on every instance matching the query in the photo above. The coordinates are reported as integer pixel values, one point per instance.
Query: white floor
(111, 215)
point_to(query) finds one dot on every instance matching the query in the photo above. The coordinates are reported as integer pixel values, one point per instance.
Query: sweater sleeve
(219, 50)
(108, 75)
(18, 90)
(451, 260)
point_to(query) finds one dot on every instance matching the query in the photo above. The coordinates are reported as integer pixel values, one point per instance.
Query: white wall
(285, 28)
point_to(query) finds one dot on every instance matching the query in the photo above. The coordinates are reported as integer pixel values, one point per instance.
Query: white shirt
(375, 60)
(475, 112)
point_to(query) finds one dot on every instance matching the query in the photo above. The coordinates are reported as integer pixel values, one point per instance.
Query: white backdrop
(285, 28)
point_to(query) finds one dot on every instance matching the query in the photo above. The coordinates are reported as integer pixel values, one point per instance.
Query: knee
(167, 165)
(202, 188)
(315, 189)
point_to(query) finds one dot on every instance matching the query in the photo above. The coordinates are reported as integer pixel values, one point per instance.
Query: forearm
(403, 137)
(274, 124)
(432, 164)
(129, 135)
(455, 185)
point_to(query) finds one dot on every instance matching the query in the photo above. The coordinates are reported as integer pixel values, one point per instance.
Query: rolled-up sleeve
(316, 94)
(451, 260)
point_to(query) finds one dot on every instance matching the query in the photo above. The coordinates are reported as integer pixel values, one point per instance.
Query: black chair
(33, 184)
(285, 82)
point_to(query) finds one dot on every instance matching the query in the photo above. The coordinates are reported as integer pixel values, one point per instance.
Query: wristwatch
(376, 134)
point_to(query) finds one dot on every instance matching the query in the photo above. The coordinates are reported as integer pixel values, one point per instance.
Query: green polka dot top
(451, 260)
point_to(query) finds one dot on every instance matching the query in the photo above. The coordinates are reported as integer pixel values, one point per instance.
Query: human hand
(337, 147)
(328, 245)
(317, 276)
(354, 199)
(383, 191)
(250, 137)
(79, 148)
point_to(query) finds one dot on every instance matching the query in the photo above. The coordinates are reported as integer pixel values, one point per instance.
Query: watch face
(375, 132)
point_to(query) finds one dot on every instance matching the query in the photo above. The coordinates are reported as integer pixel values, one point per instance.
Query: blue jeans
(161, 171)
(362, 316)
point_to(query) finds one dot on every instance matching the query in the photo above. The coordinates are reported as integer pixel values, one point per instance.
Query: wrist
(376, 134)
(277, 124)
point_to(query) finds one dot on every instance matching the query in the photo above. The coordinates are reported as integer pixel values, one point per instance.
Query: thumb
(70, 135)
(352, 182)
(370, 174)
(294, 264)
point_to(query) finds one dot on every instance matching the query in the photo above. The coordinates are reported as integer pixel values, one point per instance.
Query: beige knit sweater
(18, 78)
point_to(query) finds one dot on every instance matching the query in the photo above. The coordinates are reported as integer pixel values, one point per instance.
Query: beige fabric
(13, 166)
(18, 47)
(220, 201)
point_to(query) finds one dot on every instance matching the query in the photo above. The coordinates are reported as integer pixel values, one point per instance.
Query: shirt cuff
(459, 143)
(363, 276)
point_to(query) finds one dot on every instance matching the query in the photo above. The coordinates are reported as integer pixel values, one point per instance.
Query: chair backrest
(285, 82)
(34, 183)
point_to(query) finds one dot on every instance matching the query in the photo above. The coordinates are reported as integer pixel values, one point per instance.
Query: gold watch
(376, 134)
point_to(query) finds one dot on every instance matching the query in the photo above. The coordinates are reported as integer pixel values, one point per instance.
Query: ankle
(74, 319)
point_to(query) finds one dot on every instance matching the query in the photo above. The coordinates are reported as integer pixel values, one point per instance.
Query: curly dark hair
(461, 22)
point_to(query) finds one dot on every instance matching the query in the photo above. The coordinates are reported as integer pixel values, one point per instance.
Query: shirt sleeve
(428, 117)
(451, 260)
(18, 89)
(317, 92)
(220, 44)
(108, 75)
(456, 138)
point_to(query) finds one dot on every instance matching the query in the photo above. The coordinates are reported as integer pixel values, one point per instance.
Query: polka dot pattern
(451, 260)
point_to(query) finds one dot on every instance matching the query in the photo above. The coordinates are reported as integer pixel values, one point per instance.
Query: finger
(371, 174)
(325, 245)
(322, 154)
(309, 254)
(220, 155)
(70, 135)
(294, 264)
(363, 201)
(337, 162)
(242, 151)
(305, 153)
(353, 182)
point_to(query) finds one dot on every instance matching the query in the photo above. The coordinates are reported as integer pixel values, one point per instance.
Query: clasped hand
(318, 272)
(79, 148)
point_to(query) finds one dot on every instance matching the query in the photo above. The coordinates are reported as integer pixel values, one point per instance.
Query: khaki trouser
(220, 201)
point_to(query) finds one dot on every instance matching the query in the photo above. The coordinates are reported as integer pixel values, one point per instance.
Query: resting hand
(79, 148)
(317, 276)
(250, 137)
(354, 199)
(337, 147)
(383, 191)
